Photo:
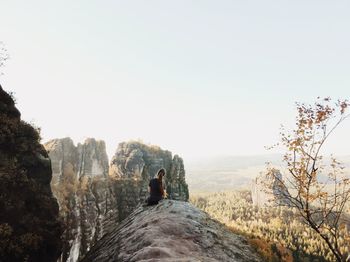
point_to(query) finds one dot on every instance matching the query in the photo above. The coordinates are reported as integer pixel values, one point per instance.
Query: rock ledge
(171, 231)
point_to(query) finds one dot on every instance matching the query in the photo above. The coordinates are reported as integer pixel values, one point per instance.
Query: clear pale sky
(200, 78)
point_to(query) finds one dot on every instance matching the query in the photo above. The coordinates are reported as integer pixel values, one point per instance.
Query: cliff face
(80, 183)
(90, 199)
(268, 191)
(140, 162)
(170, 231)
(92, 158)
(87, 159)
(177, 187)
(29, 227)
(132, 167)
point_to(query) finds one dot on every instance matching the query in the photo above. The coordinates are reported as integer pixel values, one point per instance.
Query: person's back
(155, 188)
(155, 193)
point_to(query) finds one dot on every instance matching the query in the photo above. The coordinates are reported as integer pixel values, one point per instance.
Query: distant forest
(276, 232)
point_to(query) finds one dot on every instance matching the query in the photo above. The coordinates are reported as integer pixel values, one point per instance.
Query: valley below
(278, 233)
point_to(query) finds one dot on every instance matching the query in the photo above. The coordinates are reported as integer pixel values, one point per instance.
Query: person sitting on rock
(156, 188)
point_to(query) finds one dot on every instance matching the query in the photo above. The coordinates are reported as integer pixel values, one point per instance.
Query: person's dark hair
(161, 171)
(160, 174)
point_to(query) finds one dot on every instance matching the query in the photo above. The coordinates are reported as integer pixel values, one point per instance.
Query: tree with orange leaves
(319, 191)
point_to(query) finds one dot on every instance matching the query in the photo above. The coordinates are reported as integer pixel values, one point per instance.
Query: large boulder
(29, 226)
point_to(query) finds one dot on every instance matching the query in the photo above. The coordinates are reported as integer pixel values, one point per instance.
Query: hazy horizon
(200, 79)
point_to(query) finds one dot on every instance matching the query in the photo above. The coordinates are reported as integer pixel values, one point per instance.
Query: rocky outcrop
(87, 159)
(139, 162)
(29, 226)
(89, 198)
(177, 187)
(170, 231)
(81, 186)
(92, 158)
(131, 169)
(267, 190)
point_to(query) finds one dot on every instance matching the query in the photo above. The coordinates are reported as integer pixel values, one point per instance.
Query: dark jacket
(156, 190)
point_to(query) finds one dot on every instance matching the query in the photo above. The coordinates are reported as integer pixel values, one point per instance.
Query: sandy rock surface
(171, 231)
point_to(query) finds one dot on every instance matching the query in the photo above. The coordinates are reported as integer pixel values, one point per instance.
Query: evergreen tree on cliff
(29, 226)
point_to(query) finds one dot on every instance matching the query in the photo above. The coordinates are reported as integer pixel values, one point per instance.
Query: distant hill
(232, 172)
(226, 172)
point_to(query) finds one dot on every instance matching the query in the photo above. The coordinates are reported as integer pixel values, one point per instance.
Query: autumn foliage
(319, 190)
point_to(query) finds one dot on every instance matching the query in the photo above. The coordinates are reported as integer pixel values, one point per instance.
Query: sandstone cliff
(87, 159)
(89, 198)
(80, 183)
(134, 164)
(268, 191)
(170, 231)
(29, 227)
